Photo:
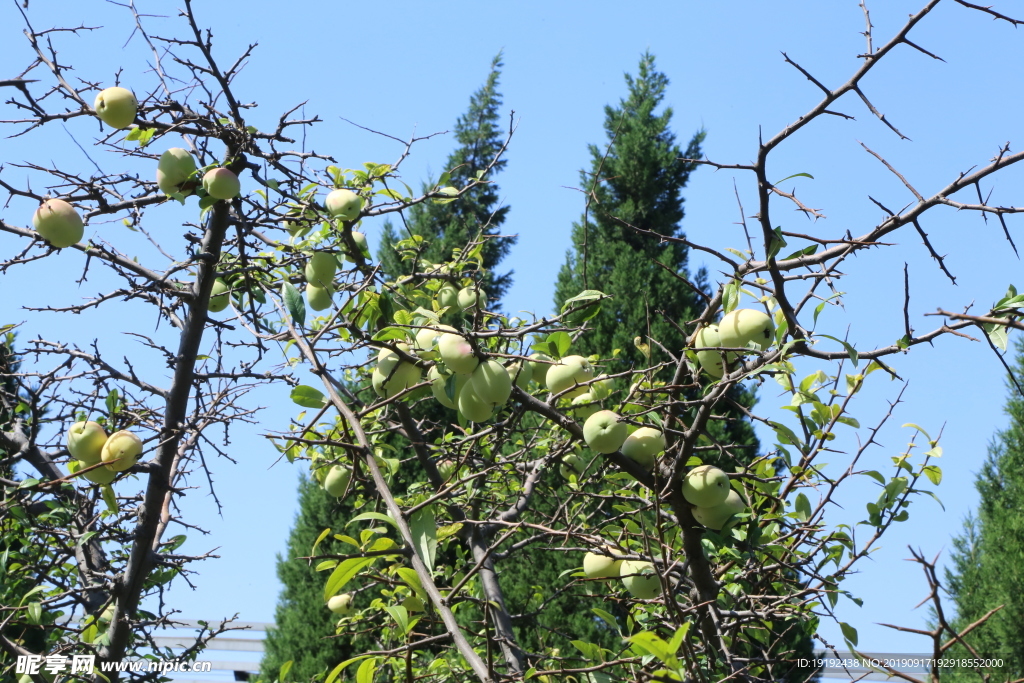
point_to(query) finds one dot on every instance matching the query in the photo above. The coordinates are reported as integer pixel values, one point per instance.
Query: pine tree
(449, 226)
(986, 561)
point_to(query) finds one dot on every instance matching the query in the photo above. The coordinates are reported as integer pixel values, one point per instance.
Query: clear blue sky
(408, 68)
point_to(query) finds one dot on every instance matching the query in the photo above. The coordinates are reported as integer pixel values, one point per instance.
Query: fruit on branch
(706, 486)
(425, 340)
(438, 380)
(100, 475)
(603, 432)
(360, 240)
(473, 407)
(447, 296)
(319, 298)
(457, 353)
(640, 579)
(744, 325)
(643, 446)
(337, 480)
(571, 464)
(601, 387)
(58, 223)
(116, 107)
(446, 468)
(343, 204)
(85, 441)
(519, 375)
(221, 183)
(569, 371)
(717, 516)
(320, 269)
(175, 167)
(412, 603)
(712, 362)
(220, 296)
(584, 405)
(472, 297)
(394, 375)
(491, 384)
(538, 370)
(602, 566)
(341, 604)
(121, 451)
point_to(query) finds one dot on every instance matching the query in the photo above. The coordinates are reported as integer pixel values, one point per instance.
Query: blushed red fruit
(457, 353)
(116, 107)
(58, 223)
(343, 204)
(221, 183)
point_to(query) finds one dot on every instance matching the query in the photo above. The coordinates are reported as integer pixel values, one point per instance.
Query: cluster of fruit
(739, 329)
(707, 489)
(638, 576)
(89, 444)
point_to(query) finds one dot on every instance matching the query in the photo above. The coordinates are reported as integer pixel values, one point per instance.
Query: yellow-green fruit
(598, 566)
(491, 383)
(643, 446)
(744, 325)
(413, 604)
(457, 353)
(85, 441)
(447, 296)
(100, 475)
(116, 107)
(320, 269)
(712, 362)
(473, 407)
(472, 297)
(426, 340)
(107, 615)
(392, 374)
(360, 240)
(716, 517)
(584, 405)
(519, 375)
(319, 298)
(221, 183)
(437, 387)
(569, 371)
(640, 579)
(121, 451)
(446, 468)
(538, 370)
(572, 464)
(603, 432)
(601, 387)
(706, 486)
(176, 166)
(220, 296)
(58, 223)
(343, 204)
(341, 604)
(337, 480)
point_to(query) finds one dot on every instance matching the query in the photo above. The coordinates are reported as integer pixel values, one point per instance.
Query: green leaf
(730, 296)
(589, 650)
(308, 397)
(607, 618)
(806, 251)
(803, 507)
(392, 333)
(849, 632)
(776, 244)
(587, 303)
(35, 613)
(934, 474)
(319, 539)
(846, 345)
(282, 675)
(424, 534)
(558, 344)
(366, 671)
(412, 579)
(133, 135)
(344, 573)
(796, 175)
(336, 671)
(113, 402)
(293, 303)
(108, 497)
(372, 515)
(447, 192)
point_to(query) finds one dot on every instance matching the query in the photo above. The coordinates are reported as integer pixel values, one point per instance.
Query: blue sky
(409, 68)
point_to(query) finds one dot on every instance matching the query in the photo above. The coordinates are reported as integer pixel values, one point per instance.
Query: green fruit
(472, 297)
(219, 296)
(437, 387)
(706, 486)
(85, 441)
(538, 370)
(491, 383)
(744, 325)
(426, 340)
(446, 468)
(569, 371)
(643, 446)
(457, 353)
(601, 387)
(176, 166)
(519, 376)
(394, 375)
(337, 480)
(447, 296)
(360, 240)
(584, 406)
(100, 475)
(320, 269)
(572, 464)
(601, 566)
(319, 298)
(221, 183)
(473, 407)
(58, 223)
(712, 362)
(116, 107)
(717, 516)
(121, 451)
(640, 579)
(343, 204)
(603, 432)
(341, 604)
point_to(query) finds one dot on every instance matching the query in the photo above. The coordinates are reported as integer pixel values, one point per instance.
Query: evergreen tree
(449, 226)
(986, 566)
